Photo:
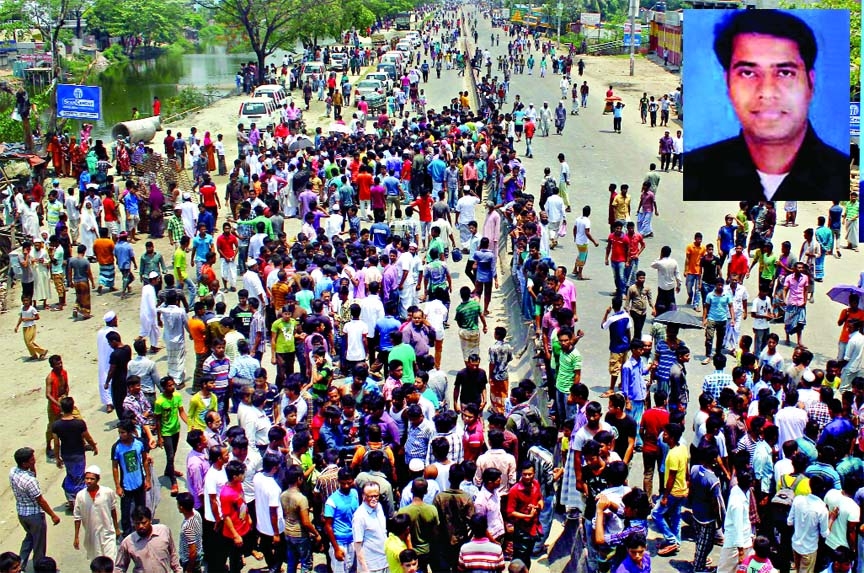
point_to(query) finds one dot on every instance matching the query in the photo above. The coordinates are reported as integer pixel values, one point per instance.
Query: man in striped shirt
(480, 555)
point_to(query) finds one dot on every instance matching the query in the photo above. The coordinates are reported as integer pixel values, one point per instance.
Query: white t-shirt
(354, 332)
(465, 208)
(555, 210)
(760, 306)
(333, 225)
(770, 183)
(849, 512)
(267, 495)
(406, 263)
(213, 481)
(581, 225)
(565, 173)
(436, 312)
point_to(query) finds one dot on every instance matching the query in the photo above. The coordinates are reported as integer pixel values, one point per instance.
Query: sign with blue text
(79, 102)
(854, 119)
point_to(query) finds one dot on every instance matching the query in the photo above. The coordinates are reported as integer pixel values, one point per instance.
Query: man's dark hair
(777, 23)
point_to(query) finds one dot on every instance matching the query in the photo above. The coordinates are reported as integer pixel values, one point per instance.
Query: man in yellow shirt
(397, 541)
(692, 271)
(180, 262)
(667, 513)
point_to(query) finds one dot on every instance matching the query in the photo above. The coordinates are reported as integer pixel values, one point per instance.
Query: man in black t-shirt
(118, 369)
(711, 270)
(470, 385)
(242, 313)
(70, 435)
(624, 424)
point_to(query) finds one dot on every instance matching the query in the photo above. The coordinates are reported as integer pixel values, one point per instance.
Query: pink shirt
(797, 289)
(568, 290)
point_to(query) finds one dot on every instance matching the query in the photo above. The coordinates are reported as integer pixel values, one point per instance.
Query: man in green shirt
(569, 371)
(424, 522)
(767, 260)
(468, 313)
(175, 227)
(435, 243)
(405, 354)
(168, 411)
(180, 263)
(282, 346)
(260, 218)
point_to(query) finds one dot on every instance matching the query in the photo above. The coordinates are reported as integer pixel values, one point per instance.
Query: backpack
(782, 500)
(386, 468)
(528, 428)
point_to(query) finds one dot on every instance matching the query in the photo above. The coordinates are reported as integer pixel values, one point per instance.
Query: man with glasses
(370, 531)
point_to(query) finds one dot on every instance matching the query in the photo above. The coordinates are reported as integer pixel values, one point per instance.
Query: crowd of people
(362, 450)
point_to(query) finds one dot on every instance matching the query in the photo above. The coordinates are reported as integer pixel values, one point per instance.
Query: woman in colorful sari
(210, 150)
(76, 158)
(124, 162)
(91, 161)
(64, 148)
(56, 152)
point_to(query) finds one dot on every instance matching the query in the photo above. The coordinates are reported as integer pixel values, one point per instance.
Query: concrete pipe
(137, 130)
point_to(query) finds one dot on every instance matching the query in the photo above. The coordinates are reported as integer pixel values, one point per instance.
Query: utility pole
(634, 7)
(560, 10)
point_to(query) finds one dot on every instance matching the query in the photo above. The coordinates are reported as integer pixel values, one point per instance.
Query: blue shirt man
(202, 245)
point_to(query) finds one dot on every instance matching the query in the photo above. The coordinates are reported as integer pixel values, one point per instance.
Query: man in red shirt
(653, 422)
(530, 128)
(423, 204)
(618, 253)
(637, 245)
(168, 142)
(738, 263)
(209, 198)
(524, 504)
(364, 191)
(112, 216)
(236, 522)
(227, 246)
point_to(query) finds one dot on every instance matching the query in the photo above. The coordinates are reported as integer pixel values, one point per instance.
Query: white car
(367, 86)
(414, 37)
(386, 83)
(275, 92)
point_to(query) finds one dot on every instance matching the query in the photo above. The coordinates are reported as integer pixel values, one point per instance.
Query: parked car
(275, 92)
(367, 87)
(261, 111)
(338, 62)
(389, 69)
(375, 100)
(385, 80)
(309, 69)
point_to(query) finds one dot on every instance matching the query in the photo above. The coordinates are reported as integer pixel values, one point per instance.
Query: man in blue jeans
(667, 512)
(617, 255)
(300, 533)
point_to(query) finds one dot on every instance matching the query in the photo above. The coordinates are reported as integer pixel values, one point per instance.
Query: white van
(413, 36)
(262, 111)
(310, 68)
(404, 46)
(396, 58)
(275, 92)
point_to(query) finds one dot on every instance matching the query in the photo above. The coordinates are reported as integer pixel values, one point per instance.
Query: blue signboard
(854, 119)
(79, 102)
(637, 37)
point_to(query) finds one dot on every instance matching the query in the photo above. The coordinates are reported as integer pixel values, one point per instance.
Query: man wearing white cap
(104, 351)
(147, 316)
(252, 282)
(189, 215)
(96, 512)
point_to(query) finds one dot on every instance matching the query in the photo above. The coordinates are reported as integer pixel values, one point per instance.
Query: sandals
(607, 393)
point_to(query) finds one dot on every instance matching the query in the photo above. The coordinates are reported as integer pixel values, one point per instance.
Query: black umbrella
(680, 319)
(301, 143)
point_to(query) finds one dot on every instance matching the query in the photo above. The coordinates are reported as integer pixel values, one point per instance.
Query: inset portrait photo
(767, 105)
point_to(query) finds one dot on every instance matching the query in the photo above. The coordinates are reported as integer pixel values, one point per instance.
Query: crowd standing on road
(362, 449)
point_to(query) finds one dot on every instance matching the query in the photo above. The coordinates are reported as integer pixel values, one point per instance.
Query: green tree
(268, 25)
(138, 22)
